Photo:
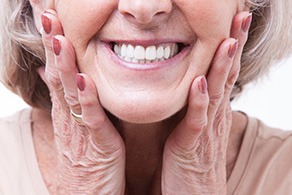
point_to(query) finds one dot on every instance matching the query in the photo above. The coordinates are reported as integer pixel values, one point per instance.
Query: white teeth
(150, 53)
(126, 58)
(140, 54)
(166, 52)
(117, 50)
(160, 52)
(130, 51)
(123, 50)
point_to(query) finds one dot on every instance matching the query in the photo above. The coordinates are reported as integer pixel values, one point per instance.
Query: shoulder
(271, 139)
(20, 117)
(12, 160)
(265, 165)
(268, 132)
(19, 173)
(11, 127)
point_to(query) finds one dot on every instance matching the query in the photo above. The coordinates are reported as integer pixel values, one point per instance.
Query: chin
(141, 112)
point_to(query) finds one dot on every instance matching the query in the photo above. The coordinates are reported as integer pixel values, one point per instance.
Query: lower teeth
(134, 60)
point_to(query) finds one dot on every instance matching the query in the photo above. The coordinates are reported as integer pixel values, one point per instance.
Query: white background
(269, 100)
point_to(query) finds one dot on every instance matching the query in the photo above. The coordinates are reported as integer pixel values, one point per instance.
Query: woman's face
(144, 55)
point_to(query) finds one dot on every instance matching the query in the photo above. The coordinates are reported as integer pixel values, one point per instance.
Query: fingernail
(246, 23)
(48, 12)
(80, 82)
(47, 24)
(232, 49)
(56, 46)
(203, 85)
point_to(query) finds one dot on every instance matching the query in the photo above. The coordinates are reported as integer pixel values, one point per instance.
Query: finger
(195, 120)
(66, 64)
(51, 27)
(99, 126)
(239, 30)
(218, 73)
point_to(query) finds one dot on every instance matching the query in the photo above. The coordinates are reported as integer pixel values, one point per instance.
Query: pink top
(19, 171)
(264, 164)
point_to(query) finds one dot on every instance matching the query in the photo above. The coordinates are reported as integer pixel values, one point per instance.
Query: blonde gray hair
(22, 52)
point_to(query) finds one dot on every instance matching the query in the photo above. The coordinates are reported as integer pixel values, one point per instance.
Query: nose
(145, 11)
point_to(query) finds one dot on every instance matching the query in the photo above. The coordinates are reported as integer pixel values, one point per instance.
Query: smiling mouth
(145, 55)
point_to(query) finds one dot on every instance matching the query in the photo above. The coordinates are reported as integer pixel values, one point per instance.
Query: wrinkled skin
(92, 155)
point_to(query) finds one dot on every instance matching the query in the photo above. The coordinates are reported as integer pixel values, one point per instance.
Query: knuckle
(95, 122)
(231, 81)
(53, 80)
(228, 116)
(222, 122)
(233, 77)
(228, 112)
(217, 97)
(220, 129)
(63, 67)
(71, 99)
(196, 124)
(223, 69)
(86, 103)
(199, 104)
(200, 107)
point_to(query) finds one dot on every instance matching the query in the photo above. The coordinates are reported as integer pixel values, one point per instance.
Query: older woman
(133, 97)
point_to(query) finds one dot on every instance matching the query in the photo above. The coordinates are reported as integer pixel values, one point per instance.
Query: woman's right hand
(91, 153)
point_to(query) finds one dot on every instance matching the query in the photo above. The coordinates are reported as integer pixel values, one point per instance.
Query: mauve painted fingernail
(246, 23)
(48, 12)
(47, 24)
(80, 82)
(232, 49)
(203, 87)
(56, 46)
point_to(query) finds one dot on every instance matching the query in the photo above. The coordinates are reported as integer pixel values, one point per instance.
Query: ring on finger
(77, 117)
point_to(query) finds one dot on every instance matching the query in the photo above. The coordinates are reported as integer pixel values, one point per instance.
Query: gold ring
(77, 117)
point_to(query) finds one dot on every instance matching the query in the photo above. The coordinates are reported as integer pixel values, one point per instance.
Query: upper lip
(146, 43)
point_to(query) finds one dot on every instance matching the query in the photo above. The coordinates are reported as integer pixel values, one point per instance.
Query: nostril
(145, 12)
(128, 15)
(160, 13)
(137, 16)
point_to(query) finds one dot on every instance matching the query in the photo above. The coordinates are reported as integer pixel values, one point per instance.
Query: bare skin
(104, 156)
(143, 171)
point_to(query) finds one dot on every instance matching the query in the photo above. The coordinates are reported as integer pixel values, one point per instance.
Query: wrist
(89, 184)
(101, 179)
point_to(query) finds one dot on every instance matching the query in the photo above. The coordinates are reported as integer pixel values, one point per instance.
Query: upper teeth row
(140, 54)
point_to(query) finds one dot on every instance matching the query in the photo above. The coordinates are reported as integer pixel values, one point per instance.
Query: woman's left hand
(194, 160)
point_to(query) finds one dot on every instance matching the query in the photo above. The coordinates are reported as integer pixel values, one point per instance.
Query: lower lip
(150, 66)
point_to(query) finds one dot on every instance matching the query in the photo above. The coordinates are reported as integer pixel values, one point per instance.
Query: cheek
(210, 20)
(81, 20)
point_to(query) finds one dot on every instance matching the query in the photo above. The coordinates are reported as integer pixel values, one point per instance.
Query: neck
(144, 145)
